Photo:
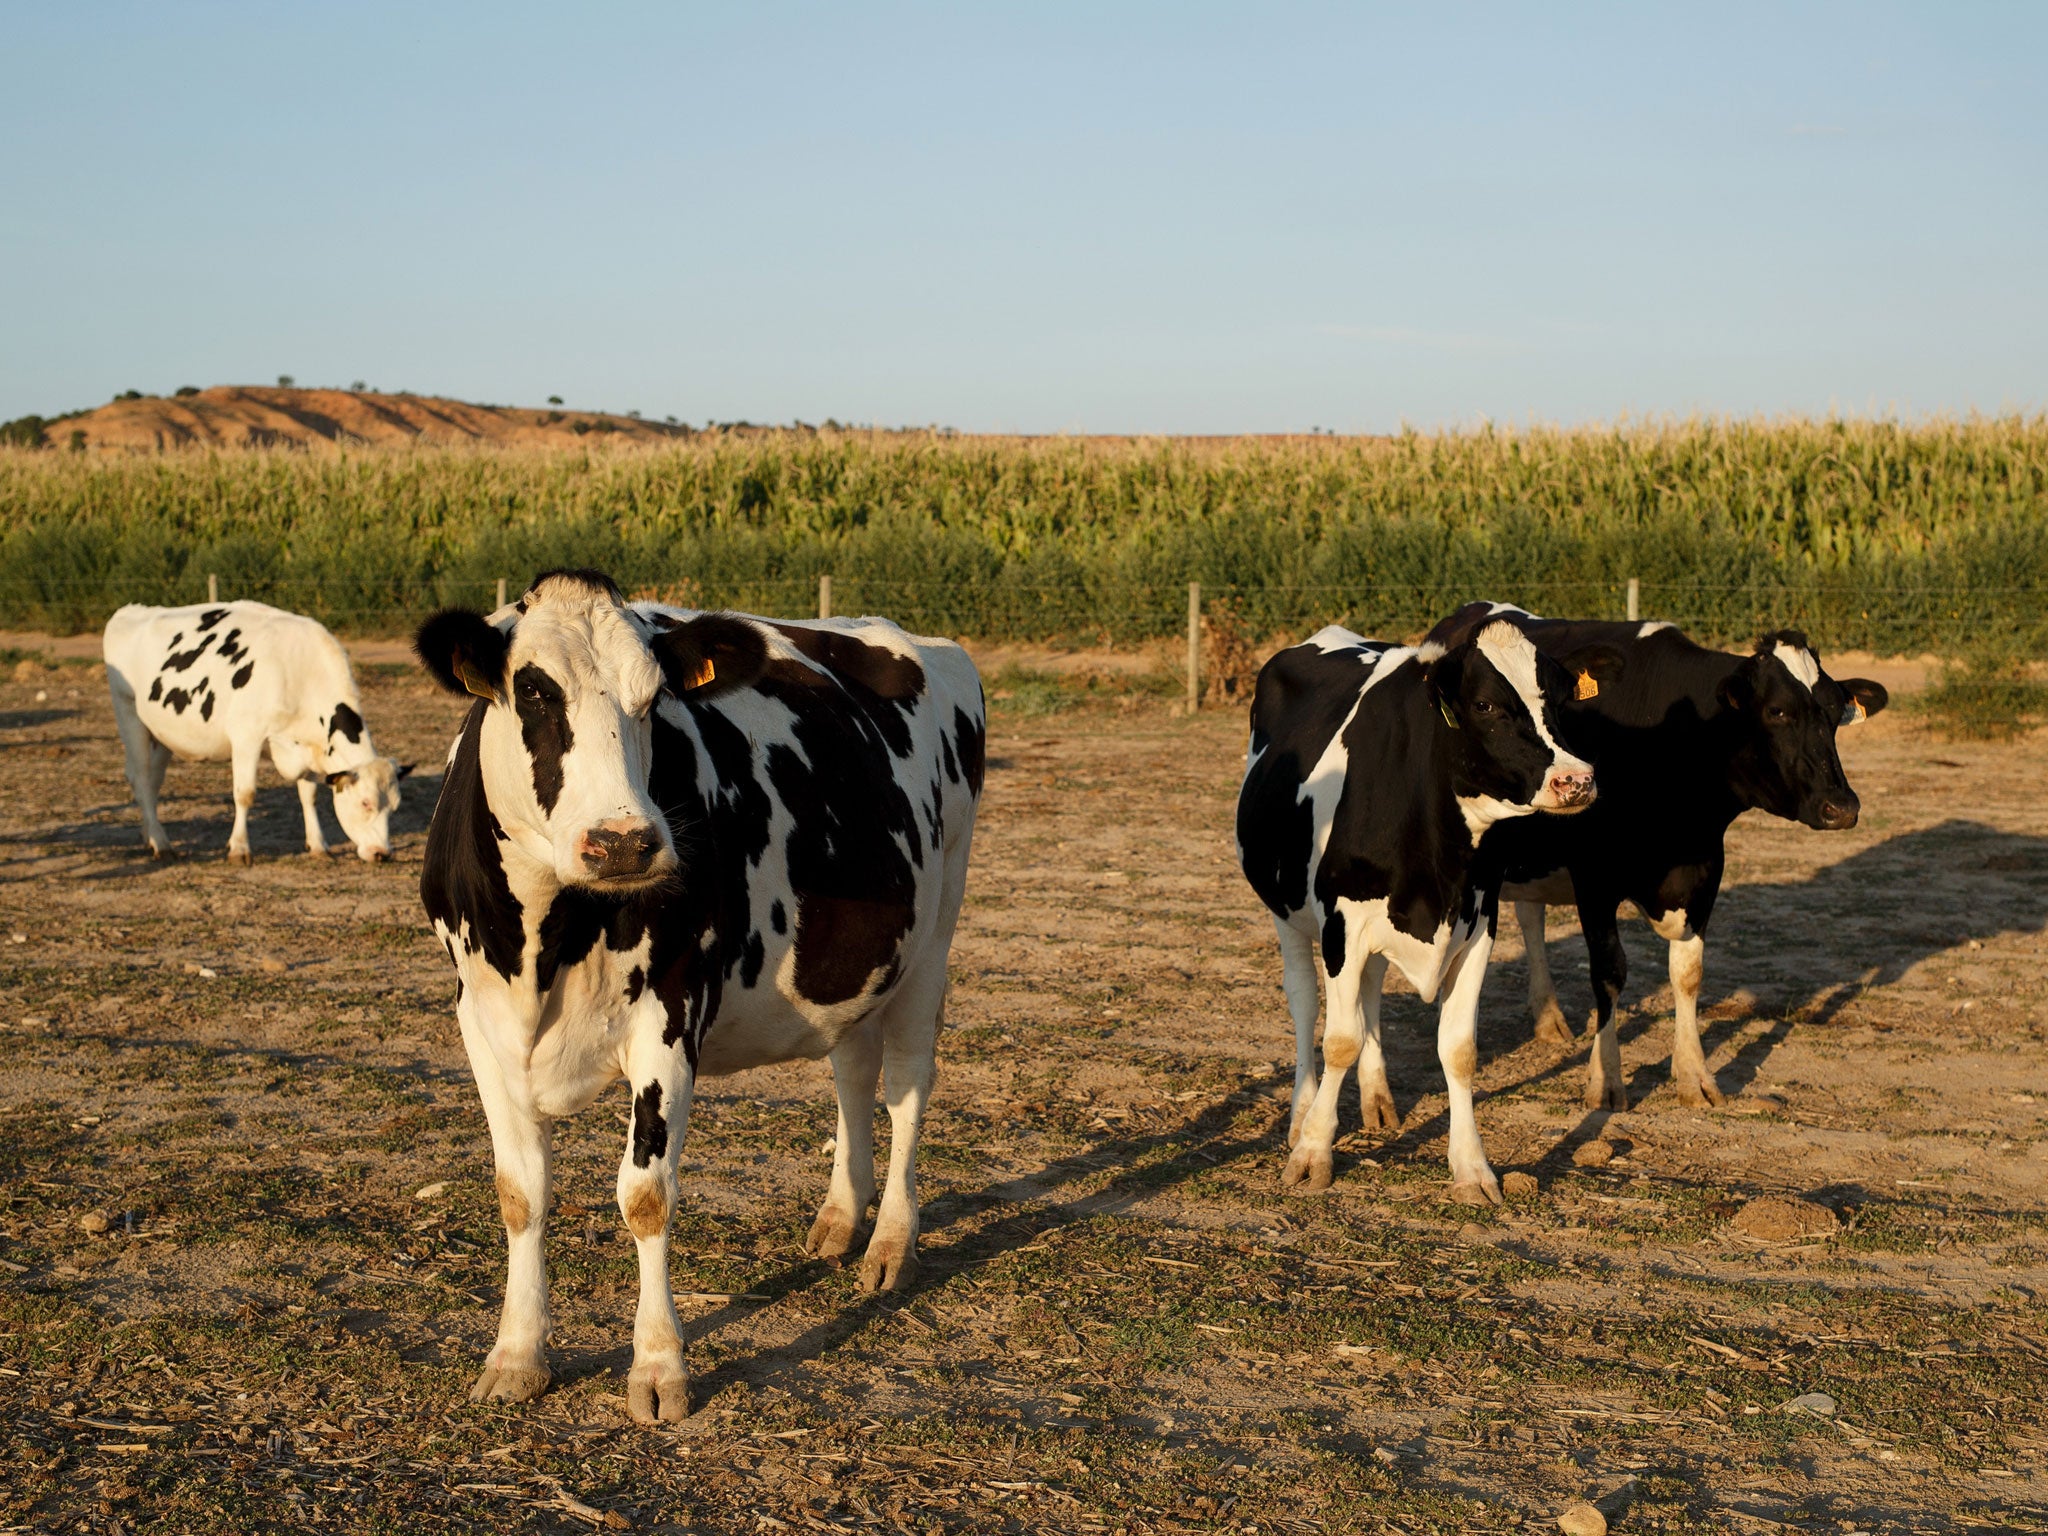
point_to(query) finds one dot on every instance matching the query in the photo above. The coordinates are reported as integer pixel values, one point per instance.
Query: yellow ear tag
(705, 673)
(475, 681)
(1588, 688)
(1445, 710)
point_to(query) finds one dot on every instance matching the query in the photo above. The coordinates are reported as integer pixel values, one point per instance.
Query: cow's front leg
(516, 1370)
(309, 807)
(856, 1069)
(243, 762)
(658, 1386)
(1605, 1088)
(1689, 1074)
(1312, 1161)
(295, 763)
(1551, 1024)
(909, 1029)
(1457, 1047)
(1298, 981)
(1375, 1097)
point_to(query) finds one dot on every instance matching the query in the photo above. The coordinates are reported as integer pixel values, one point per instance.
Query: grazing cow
(223, 680)
(672, 844)
(1372, 774)
(1686, 740)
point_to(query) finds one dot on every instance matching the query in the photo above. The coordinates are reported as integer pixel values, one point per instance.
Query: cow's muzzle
(619, 850)
(1837, 813)
(1572, 791)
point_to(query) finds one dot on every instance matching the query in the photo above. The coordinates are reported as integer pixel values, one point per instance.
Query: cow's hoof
(240, 856)
(164, 855)
(658, 1392)
(831, 1234)
(1309, 1169)
(511, 1383)
(316, 853)
(1699, 1093)
(888, 1265)
(1378, 1111)
(1605, 1096)
(1552, 1027)
(1480, 1191)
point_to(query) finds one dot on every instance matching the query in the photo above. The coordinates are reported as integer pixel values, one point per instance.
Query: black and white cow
(672, 844)
(1374, 771)
(226, 680)
(1686, 739)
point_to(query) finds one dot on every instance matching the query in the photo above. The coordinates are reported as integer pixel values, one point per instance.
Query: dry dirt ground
(250, 1260)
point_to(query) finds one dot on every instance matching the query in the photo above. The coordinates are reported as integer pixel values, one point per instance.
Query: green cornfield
(1873, 535)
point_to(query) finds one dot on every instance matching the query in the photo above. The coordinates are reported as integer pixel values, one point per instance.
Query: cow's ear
(342, 779)
(1594, 667)
(1738, 688)
(709, 654)
(1866, 698)
(465, 653)
(401, 770)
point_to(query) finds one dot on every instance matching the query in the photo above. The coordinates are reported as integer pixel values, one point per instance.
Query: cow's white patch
(1652, 627)
(1515, 659)
(1482, 811)
(1800, 663)
(1324, 785)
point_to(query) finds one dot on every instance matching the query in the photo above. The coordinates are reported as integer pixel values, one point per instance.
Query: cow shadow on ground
(1799, 953)
(277, 828)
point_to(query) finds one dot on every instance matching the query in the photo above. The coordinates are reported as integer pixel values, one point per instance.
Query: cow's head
(569, 678)
(1788, 711)
(1506, 702)
(364, 798)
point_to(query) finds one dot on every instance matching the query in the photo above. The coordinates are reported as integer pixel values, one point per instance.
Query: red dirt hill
(237, 416)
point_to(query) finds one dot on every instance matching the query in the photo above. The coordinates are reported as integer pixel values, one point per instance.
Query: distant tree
(634, 414)
(187, 390)
(670, 420)
(554, 399)
(78, 439)
(129, 394)
(359, 387)
(23, 432)
(285, 381)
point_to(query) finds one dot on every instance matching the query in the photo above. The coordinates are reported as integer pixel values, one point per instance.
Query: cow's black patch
(156, 689)
(752, 956)
(544, 727)
(973, 748)
(886, 685)
(231, 648)
(947, 759)
(346, 723)
(206, 706)
(636, 983)
(211, 617)
(650, 1130)
(175, 700)
(575, 921)
(463, 885)
(242, 674)
(178, 661)
(778, 918)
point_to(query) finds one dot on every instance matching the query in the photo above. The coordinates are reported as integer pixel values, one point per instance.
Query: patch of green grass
(1984, 696)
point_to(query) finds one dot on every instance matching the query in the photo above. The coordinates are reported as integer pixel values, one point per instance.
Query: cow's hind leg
(516, 1369)
(856, 1069)
(1551, 1024)
(1457, 1047)
(243, 760)
(1312, 1161)
(1375, 1097)
(658, 1386)
(909, 1032)
(143, 760)
(1298, 980)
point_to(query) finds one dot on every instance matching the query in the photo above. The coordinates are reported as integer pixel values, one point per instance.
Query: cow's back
(203, 673)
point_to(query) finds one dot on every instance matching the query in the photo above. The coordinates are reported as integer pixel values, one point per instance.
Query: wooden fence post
(824, 597)
(212, 587)
(1635, 592)
(501, 591)
(1194, 646)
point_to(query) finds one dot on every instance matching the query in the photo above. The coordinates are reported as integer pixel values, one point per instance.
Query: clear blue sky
(1037, 217)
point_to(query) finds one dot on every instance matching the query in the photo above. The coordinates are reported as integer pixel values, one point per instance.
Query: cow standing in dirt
(1686, 739)
(672, 844)
(227, 680)
(1373, 772)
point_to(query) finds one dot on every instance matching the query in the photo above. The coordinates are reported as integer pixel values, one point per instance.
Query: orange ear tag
(1588, 688)
(705, 673)
(474, 681)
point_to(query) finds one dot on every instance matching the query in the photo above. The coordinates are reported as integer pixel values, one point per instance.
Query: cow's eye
(1482, 707)
(1776, 716)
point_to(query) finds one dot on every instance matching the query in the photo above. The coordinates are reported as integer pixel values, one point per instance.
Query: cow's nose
(1574, 788)
(1839, 815)
(379, 855)
(614, 850)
